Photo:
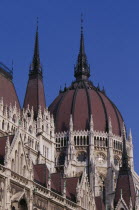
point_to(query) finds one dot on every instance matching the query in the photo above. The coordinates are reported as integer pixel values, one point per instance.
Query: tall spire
(36, 66)
(124, 154)
(82, 69)
(125, 180)
(35, 95)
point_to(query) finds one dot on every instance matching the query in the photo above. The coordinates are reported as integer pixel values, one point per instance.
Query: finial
(65, 87)
(37, 23)
(130, 135)
(98, 87)
(124, 154)
(60, 90)
(81, 22)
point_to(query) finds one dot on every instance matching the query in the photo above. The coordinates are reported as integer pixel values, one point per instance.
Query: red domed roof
(7, 88)
(81, 100)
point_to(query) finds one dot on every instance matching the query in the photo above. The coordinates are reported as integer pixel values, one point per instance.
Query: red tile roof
(57, 182)
(41, 174)
(71, 185)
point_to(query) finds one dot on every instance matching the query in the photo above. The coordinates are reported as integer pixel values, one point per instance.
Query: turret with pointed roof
(125, 182)
(35, 67)
(35, 96)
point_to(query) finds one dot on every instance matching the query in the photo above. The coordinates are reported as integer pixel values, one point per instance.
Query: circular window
(81, 157)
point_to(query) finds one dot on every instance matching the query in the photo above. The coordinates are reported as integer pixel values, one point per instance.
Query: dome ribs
(54, 106)
(116, 113)
(73, 102)
(105, 111)
(89, 102)
(114, 107)
(112, 114)
(81, 100)
(58, 120)
(81, 120)
(7, 89)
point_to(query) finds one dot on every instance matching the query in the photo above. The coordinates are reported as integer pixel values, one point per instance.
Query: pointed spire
(110, 125)
(82, 69)
(130, 136)
(36, 66)
(124, 154)
(91, 123)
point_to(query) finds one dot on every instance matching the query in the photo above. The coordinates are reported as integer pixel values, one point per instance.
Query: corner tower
(35, 96)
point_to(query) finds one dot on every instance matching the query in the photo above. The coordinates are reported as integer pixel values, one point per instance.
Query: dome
(82, 99)
(7, 88)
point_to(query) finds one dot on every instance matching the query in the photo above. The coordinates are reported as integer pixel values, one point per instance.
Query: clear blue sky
(111, 31)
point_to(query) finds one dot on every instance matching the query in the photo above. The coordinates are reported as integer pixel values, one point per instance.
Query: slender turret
(35, 96)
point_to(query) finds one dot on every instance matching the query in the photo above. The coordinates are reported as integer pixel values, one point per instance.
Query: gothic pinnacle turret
(125, 176)
(36, 66)
(82, 69)
(124, 154)
(35, 96)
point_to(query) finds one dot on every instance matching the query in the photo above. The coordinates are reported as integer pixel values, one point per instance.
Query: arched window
(14, 118)
(3, 125)
(62, 142)
(84, 140)
(24, 171)
(74, 140)
(77, 140)
(21, 164)
(30, 129)
(15, 161)
(8, 127)
(50, 134)
(12, 165)
(81, 140)
(42, 127)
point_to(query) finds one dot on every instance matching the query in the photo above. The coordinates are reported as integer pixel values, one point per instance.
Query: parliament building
(74, 154)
